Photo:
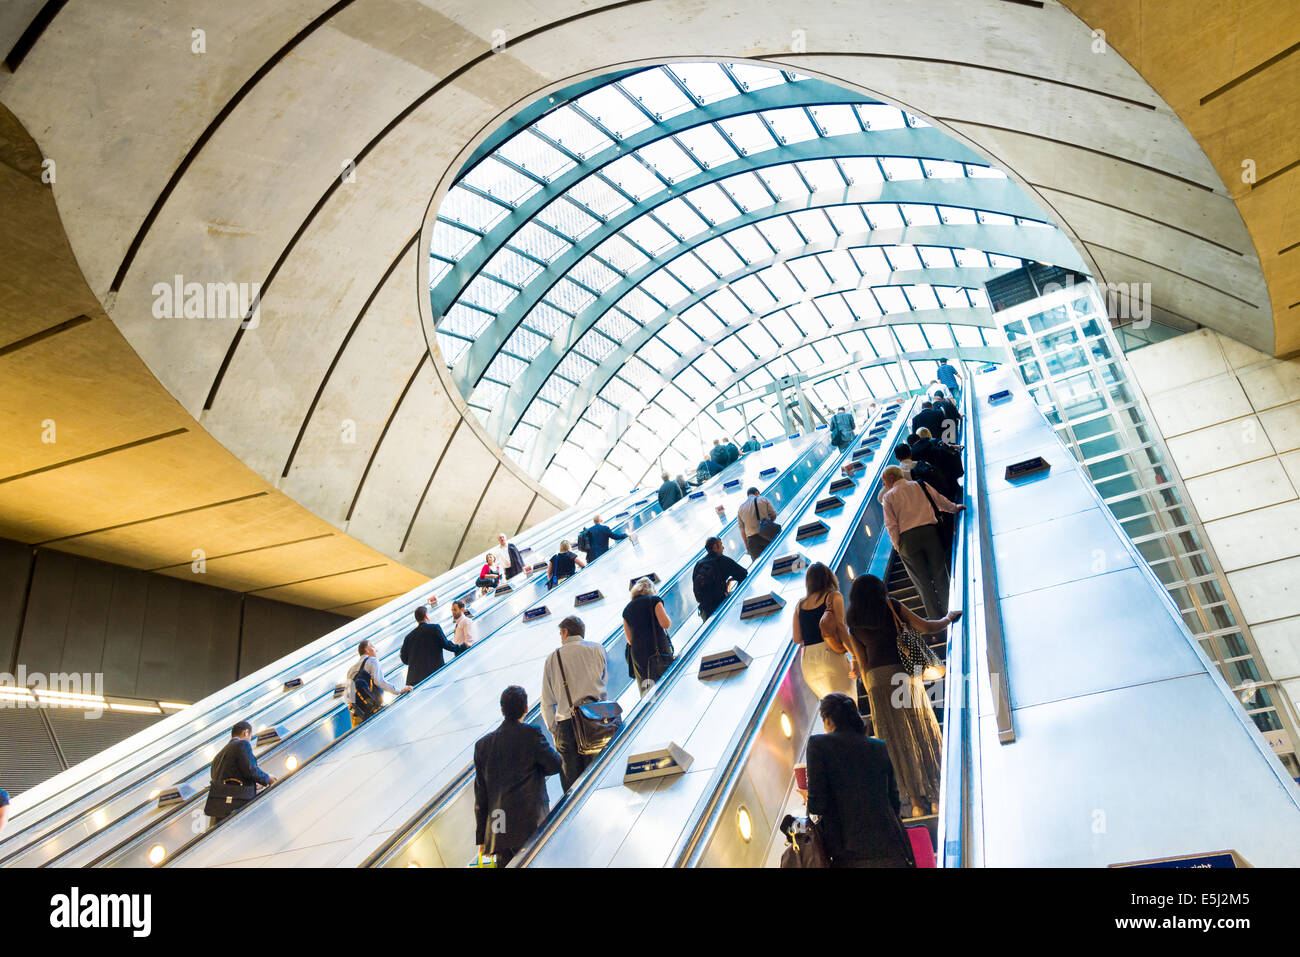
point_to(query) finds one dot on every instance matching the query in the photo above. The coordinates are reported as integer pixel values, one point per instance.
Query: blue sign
(828, 503)
(761, 605)
(620, 515)
(533, 614)
(640, 501)
(734, 483)
(989, 368)
(696, 495)
(652, 576)
(768, 445)
(864, 453)
(292, 683)
(587, 597)
(1219, 859)
(842, 485)
(766, 472)
(524, 551)
(650, 764)
(504, 588)
(789, 563)
(999, 396)
(819, 428)
(793, 435)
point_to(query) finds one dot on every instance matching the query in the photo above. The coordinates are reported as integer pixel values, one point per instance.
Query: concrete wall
(1231, 418)
(150, 635)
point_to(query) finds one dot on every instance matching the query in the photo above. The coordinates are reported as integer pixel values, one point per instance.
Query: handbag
(662, 657)
(228, 796)
(595, 720)
(915, 652)
(837, 638)
(804, 845)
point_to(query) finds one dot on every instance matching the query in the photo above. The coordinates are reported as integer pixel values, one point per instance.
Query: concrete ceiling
(228, 165)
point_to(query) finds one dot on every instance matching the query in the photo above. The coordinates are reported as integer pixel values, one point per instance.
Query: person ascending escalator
(563, 564)
(235, 776)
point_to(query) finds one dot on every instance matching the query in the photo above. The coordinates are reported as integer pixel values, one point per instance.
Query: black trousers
(572, 763)
(504, 857)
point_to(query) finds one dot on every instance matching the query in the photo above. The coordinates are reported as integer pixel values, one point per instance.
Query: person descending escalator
(509, 560)
(423, 646)
(645, 626)
(712, 575)
(465, 631)
(235, 776)
(511, 765)
(818, 626)
(670, 493)
(489, 575)
(852, 791)
(900, 707)
(563, 564)
(365, 685)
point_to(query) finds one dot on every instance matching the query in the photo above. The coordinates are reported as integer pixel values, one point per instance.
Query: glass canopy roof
(629, 254)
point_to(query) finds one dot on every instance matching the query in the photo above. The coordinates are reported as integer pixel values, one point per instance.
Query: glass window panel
(951, 297)
(784, 182)
(862, 303)
(663, 287)
(509, 266)
(757, 339)
(567, 219)
(599, 197)
(848, 220)
(814, 226)
(943, 169)
(782, 284)
(806, 269)
(879, 116)
(691, 272)
(780, 234)
(569, 297)
(614, 111)
(631, 175)
(918, 215)
(750, 243)
(706, 81)
(620, 254)
(746, 192)
(957, 216)
(791, 125)
(707, 146)
(438, 268)
(725, 304)
(836, 119)
(901, 167)
(833, 310)
(748, 133)
(884, 216)
(594, 274)
(733, 352)
(756, 77)
(910, 338)
(719, 257)
(546, 319)
(525, 344)
(502, 181)
(464, 321)
(470, 209)
(966, 336)
(657, 93)
(677, 335)
(940, 337)
(569, 129)
(713, 203)
(822, 174)
(807, 317)
(782, 329)
(537, 242)
(680, 219)
(701, 320)
(870, 260)
(668, 159)
(713, 369)
(753, 294)
(891, 299)
(640, 306)
(903, 257)
(922, 297)
(535, 155)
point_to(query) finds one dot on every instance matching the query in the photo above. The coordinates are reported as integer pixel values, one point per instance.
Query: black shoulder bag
(595, 721)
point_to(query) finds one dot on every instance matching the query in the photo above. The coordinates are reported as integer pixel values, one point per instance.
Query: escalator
(86, 816)
(338, 808)
(604, 822)
(1082, 723)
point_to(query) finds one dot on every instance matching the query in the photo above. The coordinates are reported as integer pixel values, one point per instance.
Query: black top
(563, 565)
(931, 419)
(713, 570)
(810, 624)
(515, 563)
(947, 410)
(422, 650)
(510, 769)
(640, 617)
(733, 453)
(670, 493)
(718, 455)
(236, 762)
(880, 644)
(851, 786)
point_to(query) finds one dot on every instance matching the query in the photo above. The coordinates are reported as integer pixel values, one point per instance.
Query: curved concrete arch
(1089, 139)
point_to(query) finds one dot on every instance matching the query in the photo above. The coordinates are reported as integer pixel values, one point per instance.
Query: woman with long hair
(817, 627)
(900, 707)
(645, 626)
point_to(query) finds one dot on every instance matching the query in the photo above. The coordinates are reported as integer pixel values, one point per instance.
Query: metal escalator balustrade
(386, 769)
(603, 821)
(90, 812)
(443, 830)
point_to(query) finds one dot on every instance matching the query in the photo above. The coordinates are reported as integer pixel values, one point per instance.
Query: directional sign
(272, 735)
(535, 614)
(650, 575)
(504, 588)
(536, 567)
(828, 503)
(761, 605)
(811, 529)
(850, 467)
(587, 597)
(733, 484)
(819, 428)
(620, 515)
(789, 564)
(768, 445)
(169, 797)
(525, 550)
(696, 495)
(292, 683)
(1027, 467)
(724, 663)
(989, 368)
(842, 485)
(997, 397)
(657, 763)
(1213, 859)
(766, 472)
(863, 453)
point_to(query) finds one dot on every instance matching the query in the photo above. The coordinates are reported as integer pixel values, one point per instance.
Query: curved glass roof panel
(620, 280)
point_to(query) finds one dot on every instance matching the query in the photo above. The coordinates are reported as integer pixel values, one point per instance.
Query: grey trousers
(923, 555)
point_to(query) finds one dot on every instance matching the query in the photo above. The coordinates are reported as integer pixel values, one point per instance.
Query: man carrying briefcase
(235, 776)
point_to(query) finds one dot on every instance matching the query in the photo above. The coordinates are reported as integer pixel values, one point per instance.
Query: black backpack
(952, 459)
(931, 476)
(367, 699)
(584, 541)
(708, 582)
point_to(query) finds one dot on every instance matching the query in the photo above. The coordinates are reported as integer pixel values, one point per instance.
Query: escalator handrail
(689, 850)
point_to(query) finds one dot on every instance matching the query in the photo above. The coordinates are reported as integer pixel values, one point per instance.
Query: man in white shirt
(370, 662)
(508, 558)
(586, 671)
(751, 514)
(913, 527)
(466, 633)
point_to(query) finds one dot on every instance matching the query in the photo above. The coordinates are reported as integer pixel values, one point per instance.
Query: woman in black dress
(645, 625)
(563, 564)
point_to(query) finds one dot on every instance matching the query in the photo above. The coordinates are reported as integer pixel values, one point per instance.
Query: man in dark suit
(851, 788)
(423, 646)
(670, 493)
(601, 535)
(235, 765)
(928, 418)
(510, 769)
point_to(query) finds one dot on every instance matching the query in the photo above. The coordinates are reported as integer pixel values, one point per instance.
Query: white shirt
(466, 633)
(751, 513)
(372, 665)
(584, 665)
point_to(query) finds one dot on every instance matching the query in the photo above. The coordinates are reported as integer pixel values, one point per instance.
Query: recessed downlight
(745, 824)
(157, 854)
(787, 727)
